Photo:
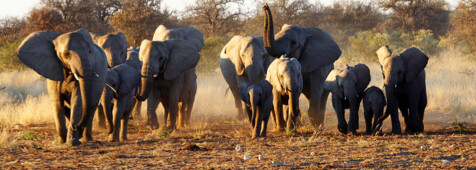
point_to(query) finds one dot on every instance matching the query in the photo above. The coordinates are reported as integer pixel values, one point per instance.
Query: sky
(19, 8)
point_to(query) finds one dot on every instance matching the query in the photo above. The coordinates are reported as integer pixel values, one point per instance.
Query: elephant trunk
(86, 86)
(268, 36)
(146, 82)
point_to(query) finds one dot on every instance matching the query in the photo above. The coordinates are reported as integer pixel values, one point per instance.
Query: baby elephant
(259, 102)
(374, 103)
(117, 100)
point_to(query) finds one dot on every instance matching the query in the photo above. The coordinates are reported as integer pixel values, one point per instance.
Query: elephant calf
(286, 77)
(347, 90)
(117, 100)
(374, 103)
(259, 102)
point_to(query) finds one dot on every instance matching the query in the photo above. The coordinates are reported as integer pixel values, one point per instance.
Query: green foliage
(364, 44)
(210, 54)
(162, 133)
(27, 135)
(8, 56)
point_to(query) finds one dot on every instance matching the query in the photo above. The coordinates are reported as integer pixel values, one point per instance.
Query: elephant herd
(89, 74)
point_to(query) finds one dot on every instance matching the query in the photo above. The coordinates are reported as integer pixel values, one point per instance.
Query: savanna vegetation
(446, 34)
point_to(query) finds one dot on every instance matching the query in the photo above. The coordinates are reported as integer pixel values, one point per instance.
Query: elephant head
(398, 71)
(259, 102)
(311, 46)
(350, 82)
(285, 75)
(133, 59)
(164, 60)
(185, 33)
(55, 56)
(115, 47)
(248, 55)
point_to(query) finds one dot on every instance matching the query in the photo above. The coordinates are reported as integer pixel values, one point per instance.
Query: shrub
(210, 54)
(8, 57)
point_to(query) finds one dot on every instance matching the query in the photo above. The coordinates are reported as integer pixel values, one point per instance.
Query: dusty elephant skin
(76, 69)
(347, 91)
(259, 103)
(117, 100)
(168, 74)
(374, 103)
(243, 59)
(316, 51)
(114, 46)
(285, 76)
(405, 87)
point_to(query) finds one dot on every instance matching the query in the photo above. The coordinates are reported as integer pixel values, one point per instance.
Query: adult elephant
(316, 51)
(285, 76)
(405, 87)
(75, 69)
(243, 59)
(114, 46)
(165, 65)
(188, 91)
(347, 92)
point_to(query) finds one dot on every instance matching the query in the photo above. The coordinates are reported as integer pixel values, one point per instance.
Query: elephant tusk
(76, 77)
(96, 74)
(155, 75)
(395, 86)
(345, 98)
(285, 90)
(357, 96)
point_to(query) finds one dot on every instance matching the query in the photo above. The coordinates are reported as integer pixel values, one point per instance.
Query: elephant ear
(243, 91)
(382, 53)
(320, 49)
(272, 75)
(332, 86)
(100, 61)
(129, 79)
(37, 51)
(160, 32)
(362, 73)
(233, 51)
(194, 35)
(181, 57)
(415, 61)
(122, 39)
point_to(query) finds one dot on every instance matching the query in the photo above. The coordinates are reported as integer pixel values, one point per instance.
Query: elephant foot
(153, 124)
(342, 129)
(113, 139)
(396, 132)
(87, 138)
(76, 142)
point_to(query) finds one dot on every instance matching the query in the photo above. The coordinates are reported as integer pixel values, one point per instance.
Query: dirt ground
(214, 145)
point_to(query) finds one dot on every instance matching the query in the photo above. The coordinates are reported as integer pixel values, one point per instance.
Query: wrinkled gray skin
(258, 99)
(405, 87)
(374, 103)
(347, 91)
(243, 59)
(285, 76)
(75, 69)
(117, 100)
(189, 85)
(166, 65)
(114, 46)
(316, 51)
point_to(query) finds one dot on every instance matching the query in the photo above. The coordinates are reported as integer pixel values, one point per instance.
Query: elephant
(347, 91)
(166, 65)
(374, 104)
(243, 59)
(405, 87)
(75, 69)
(259, 103)
(189, 89)
(285, 76)
(114, 45)
(316, 51)
(117, 100)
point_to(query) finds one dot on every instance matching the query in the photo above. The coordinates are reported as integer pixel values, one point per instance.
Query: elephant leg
(137, 109)
(353, 115)
(181, 115)
(421, 111)
(87, 133)
(59, 112)
(124, 122)
(173, 111)
(339, 108)
(414, 103)
(117, 113)
(368, 114)
(257, 126)
(317, 107)
(101, 117)
(286, 116)
(278, 112)
(152, 103)
(264, 123)
(191, 100)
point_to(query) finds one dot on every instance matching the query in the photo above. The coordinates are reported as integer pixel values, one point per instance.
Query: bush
(210, 54)
(8, 57)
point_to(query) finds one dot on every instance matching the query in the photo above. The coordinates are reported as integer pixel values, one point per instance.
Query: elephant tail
(227, 90)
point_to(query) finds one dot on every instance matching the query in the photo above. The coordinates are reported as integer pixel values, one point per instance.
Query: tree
(138, 19)
(413, 15)
(44, 19)
(214, 17)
